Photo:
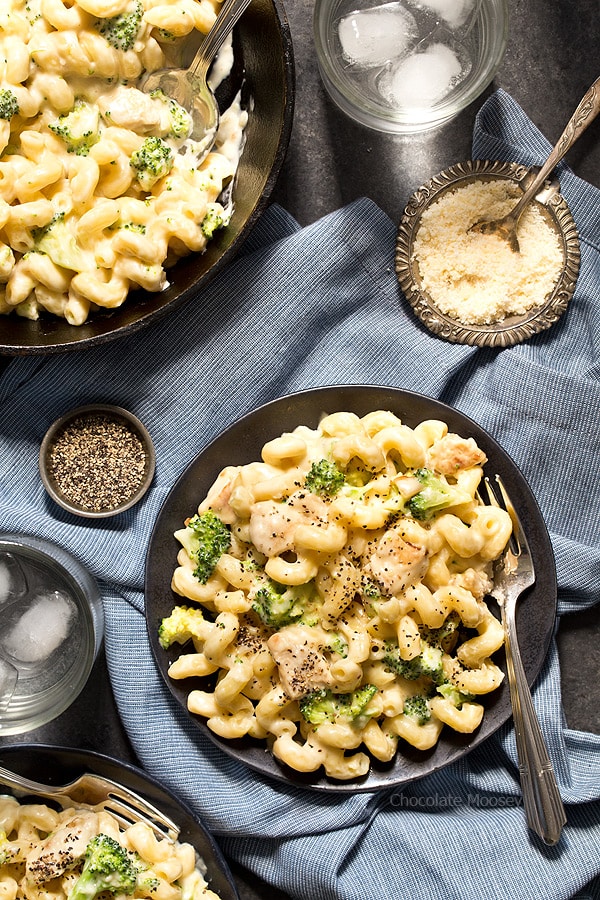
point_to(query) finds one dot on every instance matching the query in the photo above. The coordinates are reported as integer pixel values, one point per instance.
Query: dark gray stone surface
(551, 59)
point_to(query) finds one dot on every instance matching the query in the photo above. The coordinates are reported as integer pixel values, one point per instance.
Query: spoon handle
(228, 16)
(586, 112)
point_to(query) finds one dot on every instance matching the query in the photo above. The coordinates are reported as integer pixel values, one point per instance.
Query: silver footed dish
(513, 329)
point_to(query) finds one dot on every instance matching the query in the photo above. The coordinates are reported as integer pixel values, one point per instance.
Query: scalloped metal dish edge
(513, 330)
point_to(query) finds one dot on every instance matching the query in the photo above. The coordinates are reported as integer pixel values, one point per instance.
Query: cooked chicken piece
(128, 107)
(311, 507)
(452, 453)
(303, 666)
(477, 581)
(396, 563)
(63, 849)
(272, 527)
(219, 495)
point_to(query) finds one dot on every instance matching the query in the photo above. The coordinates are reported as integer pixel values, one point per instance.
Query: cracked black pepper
(97, 462)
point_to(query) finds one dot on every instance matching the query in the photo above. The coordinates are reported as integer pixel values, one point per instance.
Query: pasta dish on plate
(80, 854)
(102, 187)
(334, 591)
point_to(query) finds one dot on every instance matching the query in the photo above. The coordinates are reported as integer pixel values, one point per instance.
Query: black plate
(263, 37)
(242, 443)
(59, 765)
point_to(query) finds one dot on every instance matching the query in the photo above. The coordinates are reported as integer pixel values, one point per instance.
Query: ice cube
(422, 78)
(454, 13)
(8, 682)
(371, 37)
(13, 583)
(41, 628)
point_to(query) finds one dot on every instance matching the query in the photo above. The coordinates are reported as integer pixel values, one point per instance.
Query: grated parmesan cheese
(477, 278)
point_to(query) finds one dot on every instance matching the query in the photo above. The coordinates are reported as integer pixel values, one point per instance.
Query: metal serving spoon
(189, 87)
(586, 112)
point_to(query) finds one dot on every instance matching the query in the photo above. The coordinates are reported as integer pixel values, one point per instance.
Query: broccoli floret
(324, 478)
(452, 693)
(434, 495)
(215, 218)
(371, 594)
(107, 867)
(146, 878)
(370, 589)
(206, 538)
(180, 120)
(79, 129)
(151, 161)
(417, 708)
(9, 105)
(337, 644)
(138, 227)
(148, 881)
(277, 605)
(324, 706)
(185, 622)
(121, 31)
(58, 242)
(427, 664)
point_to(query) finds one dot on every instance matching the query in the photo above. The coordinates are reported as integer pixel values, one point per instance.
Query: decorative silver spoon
(586, 112)
(189, 87)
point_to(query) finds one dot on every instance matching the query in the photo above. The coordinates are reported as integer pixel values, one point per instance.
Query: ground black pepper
(97, 462)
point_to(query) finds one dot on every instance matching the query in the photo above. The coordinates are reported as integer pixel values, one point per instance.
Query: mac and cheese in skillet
(101, 188)
(78, 854)
(335, 590)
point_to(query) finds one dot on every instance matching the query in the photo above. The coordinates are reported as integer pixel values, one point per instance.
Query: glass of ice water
(408, 65)
(51, 629)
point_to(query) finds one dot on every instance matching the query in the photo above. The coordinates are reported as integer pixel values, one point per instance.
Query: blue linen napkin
(318, 306)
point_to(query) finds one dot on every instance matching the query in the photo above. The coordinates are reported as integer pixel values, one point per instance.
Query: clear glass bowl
(381, 90)
(51, 629)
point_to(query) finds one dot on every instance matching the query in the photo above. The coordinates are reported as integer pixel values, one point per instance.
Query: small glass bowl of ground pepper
(97, 460)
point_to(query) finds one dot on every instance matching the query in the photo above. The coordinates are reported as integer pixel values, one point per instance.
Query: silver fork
(515, 573)
(96, 793)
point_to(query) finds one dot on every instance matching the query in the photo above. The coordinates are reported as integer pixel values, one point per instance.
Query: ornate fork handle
(543, 805)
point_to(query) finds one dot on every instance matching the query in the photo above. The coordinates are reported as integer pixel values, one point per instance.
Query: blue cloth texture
(315, 306)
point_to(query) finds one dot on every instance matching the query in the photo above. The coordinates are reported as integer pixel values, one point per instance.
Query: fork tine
(518, 530)
(491, 496)
(122, 802)
(517, 538)
(127, 814)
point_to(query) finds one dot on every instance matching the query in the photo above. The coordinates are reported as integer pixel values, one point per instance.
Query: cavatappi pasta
(335, 591)
(43, 855)
(100, 185)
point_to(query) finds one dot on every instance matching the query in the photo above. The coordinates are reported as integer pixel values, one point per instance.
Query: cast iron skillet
(240, 444)
(265, 69)
(59, 765)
